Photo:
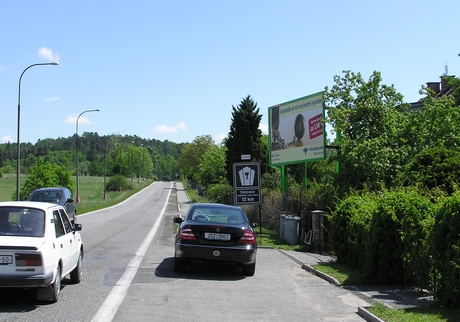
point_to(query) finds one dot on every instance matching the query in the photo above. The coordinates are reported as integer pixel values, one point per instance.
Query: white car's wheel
(77, 273)
(56, 285)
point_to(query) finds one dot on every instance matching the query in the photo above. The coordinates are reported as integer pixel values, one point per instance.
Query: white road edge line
(113, 301)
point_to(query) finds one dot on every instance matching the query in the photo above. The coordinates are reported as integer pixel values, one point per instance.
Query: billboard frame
(302, 120)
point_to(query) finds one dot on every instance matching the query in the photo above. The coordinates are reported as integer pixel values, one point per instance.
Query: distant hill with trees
(115, 154)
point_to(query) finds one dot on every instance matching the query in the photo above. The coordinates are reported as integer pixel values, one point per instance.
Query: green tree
(436, 125)
(168, 166)
(245, 137)
(45, 174)
(433, 168)
(370, 120)
(212, 166)
(455, 85)
(143, 162)
(191, 154)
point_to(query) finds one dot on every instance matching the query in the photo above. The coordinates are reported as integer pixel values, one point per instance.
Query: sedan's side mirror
(178, 220)
(254, 225)
(77, 227)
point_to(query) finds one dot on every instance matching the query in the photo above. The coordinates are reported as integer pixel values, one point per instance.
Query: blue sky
(172, 70)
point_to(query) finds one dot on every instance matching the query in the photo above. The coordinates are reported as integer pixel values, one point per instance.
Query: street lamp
(19, 124)
(76, 149)
(105, 168)
(139, 163)
(119, 167)
(131, 157)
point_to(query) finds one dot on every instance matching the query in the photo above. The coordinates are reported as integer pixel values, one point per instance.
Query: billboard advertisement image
(296, 130)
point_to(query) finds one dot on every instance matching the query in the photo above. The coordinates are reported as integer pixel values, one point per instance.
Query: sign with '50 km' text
(246, 183)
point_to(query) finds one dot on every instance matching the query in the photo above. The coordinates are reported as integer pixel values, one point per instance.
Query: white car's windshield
(20, 221)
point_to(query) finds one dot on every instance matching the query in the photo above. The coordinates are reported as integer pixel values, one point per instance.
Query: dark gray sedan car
(218, 233)
(58, 195)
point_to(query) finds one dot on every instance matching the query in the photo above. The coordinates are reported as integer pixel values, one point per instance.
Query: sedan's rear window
(19, 221)
(217, 215)
(46, 196)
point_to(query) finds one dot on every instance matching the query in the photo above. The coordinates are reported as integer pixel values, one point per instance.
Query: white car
(38, 247)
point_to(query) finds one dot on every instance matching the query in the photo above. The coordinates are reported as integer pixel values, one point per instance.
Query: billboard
(296, 130)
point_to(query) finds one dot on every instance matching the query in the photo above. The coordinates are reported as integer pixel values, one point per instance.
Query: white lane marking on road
(113, 301)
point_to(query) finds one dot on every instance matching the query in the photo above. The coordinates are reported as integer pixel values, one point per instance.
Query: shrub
(431, 168)
(45, 174)
(349, 228)
(385, 235)
(272, 205)
(384, 245)
(271, 181)
(118, 182)
(417, 214)
(217, 192)
(445, 244)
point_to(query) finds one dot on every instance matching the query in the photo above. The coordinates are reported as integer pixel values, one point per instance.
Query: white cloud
(219, 138)
(6, 138)
(170, 129)
(48, 54)
(181, 126)
(52, 99)
(72, 119)
(263, 128)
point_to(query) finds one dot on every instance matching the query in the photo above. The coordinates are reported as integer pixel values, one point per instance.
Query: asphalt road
(128, 276)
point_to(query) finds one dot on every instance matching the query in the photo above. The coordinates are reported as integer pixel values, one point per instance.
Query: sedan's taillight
(28, 260)
(186, 233)
(247, 238)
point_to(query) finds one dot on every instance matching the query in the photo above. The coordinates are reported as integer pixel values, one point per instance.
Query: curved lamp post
(76, 149)
(18, 165)
(105, 166)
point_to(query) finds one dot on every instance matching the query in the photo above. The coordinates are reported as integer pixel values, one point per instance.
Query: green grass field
(91, 190)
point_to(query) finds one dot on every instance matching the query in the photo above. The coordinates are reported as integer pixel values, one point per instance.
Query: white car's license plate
(217, 236)
(6, 259)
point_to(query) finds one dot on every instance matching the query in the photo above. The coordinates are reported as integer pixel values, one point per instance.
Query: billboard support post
(296, 134)
(284, 179)
(304, 177)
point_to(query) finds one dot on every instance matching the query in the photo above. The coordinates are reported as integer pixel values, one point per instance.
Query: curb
(368, 316)
(362, 312)
(324, 276)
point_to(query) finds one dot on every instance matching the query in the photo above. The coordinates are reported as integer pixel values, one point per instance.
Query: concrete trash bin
(282, 220)
(291, 232)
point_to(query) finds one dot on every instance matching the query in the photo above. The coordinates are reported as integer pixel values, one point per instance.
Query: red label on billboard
(315, 127)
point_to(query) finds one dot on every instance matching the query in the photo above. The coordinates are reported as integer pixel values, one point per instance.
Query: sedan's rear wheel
(179, 264)
(57, 285)
(249, 270)
(77, 272)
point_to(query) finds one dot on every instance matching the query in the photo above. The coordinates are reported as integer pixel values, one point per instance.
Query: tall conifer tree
(245, 136)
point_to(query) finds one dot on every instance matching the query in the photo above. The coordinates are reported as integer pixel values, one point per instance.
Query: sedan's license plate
(6, 259)
(217, 236)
